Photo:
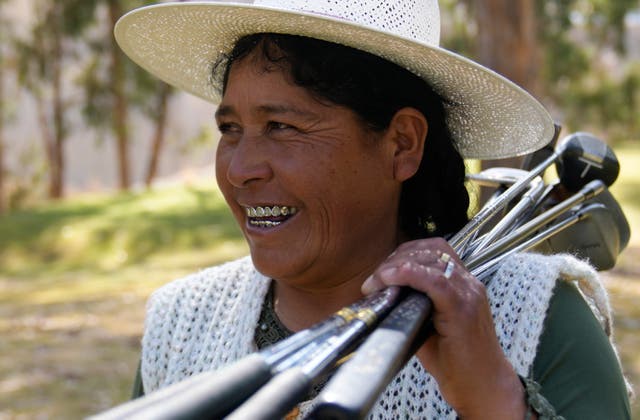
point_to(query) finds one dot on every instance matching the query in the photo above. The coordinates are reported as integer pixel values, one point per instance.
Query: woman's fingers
(405, 273)
(413, 264)
(463, 353)
(432, 267)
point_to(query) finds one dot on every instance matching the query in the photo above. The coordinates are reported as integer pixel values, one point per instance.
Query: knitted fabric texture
(207, 320)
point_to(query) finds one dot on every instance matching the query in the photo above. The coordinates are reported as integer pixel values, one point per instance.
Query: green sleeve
(576, 365)
(138, 390)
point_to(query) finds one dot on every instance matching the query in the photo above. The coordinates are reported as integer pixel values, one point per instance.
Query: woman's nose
(249, 164)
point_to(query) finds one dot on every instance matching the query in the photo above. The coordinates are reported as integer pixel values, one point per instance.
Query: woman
(343, 128)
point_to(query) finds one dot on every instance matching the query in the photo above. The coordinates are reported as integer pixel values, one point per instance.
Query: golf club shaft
(522, 232)
(495, 206)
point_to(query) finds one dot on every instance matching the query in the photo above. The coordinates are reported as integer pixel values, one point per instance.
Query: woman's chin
(276, 264)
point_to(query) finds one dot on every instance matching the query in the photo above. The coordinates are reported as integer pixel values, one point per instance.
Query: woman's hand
(463, 354)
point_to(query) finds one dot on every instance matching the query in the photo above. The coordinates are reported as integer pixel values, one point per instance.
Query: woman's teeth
(270, 216)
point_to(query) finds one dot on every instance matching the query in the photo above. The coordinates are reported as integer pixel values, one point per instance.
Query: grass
(623, 282)
(74, 278)
(106, 233)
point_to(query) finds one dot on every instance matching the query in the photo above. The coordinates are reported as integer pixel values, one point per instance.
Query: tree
(2, 158)
(507, 43)
(3, 60)
(553, 49)
(112, 95)
(576, 35)
(40, 71)
(81, 32)
(507, 39)
(50, 46)
(120, 105)
(163, 95)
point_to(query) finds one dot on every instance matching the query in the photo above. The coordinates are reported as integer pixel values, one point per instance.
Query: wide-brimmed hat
(488, 116)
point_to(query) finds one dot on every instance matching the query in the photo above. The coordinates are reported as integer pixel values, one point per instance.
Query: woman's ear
(407, 133)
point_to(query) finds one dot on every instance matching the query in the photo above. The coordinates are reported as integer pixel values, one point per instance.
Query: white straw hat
(488, 116)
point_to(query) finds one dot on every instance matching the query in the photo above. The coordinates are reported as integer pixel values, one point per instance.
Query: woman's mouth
(269, 216)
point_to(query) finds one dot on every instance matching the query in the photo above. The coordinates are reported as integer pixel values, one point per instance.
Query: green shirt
(575, 365)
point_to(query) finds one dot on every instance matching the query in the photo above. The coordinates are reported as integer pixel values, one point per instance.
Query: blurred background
(107, 188)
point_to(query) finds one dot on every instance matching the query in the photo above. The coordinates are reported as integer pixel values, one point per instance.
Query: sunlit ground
(623, 284)
(74, 279)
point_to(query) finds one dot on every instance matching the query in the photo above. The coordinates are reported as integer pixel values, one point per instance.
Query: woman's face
(326, 180)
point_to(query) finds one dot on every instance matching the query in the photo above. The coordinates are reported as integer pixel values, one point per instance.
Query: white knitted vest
(207, 320)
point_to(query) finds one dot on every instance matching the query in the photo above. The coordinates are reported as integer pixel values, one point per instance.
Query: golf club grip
(277, 398)
(357, 385)
(207, 395)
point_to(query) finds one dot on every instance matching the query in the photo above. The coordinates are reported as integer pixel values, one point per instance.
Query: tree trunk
(507, 43)
(2, 158)
(56, 183)
(159, 133)
(507, 40)
(120, 103)
(47, 138)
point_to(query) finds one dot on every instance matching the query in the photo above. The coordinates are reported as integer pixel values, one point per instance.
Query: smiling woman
(343, 131)
(299, 130)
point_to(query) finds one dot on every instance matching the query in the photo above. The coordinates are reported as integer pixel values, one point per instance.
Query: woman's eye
(274, 125)
(226, 128)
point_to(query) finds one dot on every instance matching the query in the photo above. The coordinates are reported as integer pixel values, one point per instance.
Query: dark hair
(434, 201)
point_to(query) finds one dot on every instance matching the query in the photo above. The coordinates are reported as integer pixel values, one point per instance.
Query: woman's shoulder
(537, 270)
(535, 276)
(190, 322)
(220, 277)
(576, 363)
(205, 292)
(520, 293)
(557, 266)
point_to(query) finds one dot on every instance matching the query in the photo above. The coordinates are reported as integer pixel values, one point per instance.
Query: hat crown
(418, 20)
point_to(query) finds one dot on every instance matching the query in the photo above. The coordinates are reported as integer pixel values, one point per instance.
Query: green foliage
(461, 34)
(574, 35)
(35, 53)
(613, 13)
(96, 79)
(96, 91)
(610, 105)
(55, 22)
(76, 15)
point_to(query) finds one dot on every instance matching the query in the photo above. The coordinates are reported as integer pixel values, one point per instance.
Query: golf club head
(532, 160)
(619, 219)
(585, 158)
(598, 238)
(495, 177)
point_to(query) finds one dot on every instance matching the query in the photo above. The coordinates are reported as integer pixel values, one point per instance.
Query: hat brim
(489, 117)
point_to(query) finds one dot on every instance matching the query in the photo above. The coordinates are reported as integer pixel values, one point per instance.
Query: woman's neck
(298, 309)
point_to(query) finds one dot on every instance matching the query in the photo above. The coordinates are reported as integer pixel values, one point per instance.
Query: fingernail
(369, 286)
(388, 272)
